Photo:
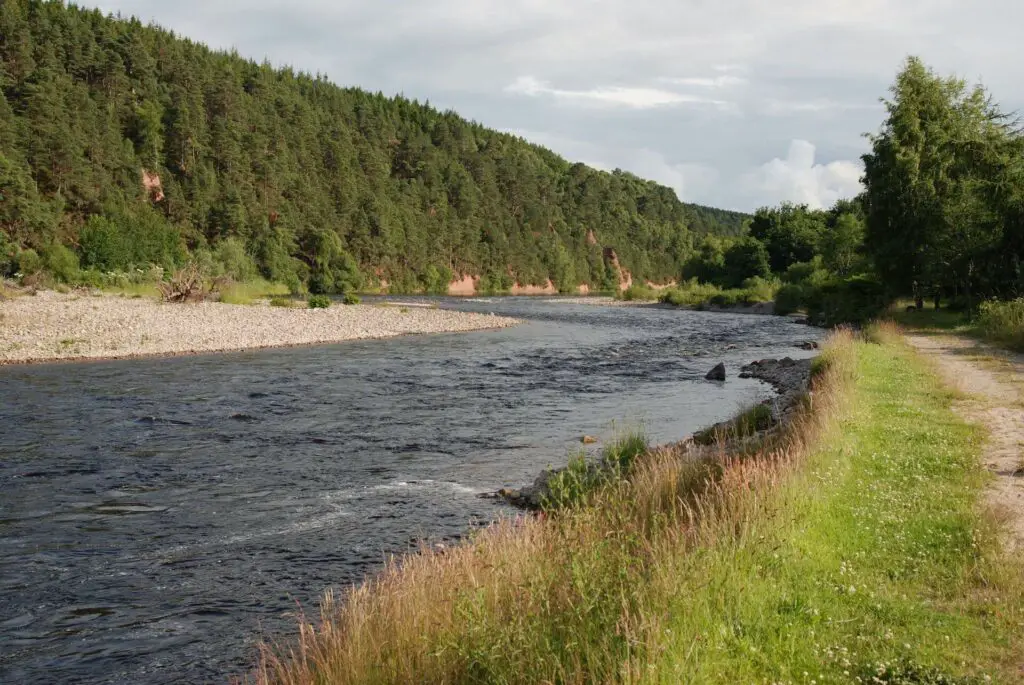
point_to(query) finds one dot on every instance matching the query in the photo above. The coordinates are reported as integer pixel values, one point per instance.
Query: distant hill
(133, 145)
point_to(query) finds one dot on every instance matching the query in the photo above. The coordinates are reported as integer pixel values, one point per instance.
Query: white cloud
(724, 81)
(638, 98)
(799, 179)
(786, 108)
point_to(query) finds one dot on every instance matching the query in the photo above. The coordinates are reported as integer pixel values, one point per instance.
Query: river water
(158, 517)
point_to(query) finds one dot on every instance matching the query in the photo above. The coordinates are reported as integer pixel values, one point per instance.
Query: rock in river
(717, 373)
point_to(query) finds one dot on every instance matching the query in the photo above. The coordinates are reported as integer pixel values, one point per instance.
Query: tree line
(940, 219)
(123, 146)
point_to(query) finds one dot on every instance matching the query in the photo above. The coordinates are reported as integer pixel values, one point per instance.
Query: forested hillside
(131, 146)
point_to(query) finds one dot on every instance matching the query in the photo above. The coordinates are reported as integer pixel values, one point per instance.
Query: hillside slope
(135, 146)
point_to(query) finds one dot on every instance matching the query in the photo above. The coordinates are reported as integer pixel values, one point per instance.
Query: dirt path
(993, 381)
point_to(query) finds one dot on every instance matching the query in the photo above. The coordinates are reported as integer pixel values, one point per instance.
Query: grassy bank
(704, 295)
(849, 549)
(999, 323)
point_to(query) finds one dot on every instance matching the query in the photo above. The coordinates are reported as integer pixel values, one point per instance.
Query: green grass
(637, 293)
(757, 418)
(704, 295)
(929, 319)
(874, 558)
(999, 323)
(852, 548)
(250, 292)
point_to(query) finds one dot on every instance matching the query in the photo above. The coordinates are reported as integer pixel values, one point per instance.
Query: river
(159, 516)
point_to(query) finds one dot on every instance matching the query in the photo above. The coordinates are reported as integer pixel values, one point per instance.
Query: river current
(159, 517)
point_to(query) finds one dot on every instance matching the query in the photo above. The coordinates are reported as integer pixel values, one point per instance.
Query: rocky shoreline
(789, 377)
(50, 326)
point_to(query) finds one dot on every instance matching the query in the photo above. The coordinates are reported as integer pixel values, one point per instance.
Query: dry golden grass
(574, 597)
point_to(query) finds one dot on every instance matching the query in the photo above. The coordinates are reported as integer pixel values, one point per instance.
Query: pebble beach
(51, 326)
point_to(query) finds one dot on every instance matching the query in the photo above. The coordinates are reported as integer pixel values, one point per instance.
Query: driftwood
(188, 285)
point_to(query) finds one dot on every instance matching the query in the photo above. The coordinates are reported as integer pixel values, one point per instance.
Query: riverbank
(852, 548)
(51, 326)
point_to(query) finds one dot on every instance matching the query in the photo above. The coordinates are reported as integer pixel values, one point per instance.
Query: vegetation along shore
(854, 544)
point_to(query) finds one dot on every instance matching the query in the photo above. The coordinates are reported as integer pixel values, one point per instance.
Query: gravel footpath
(51, 326)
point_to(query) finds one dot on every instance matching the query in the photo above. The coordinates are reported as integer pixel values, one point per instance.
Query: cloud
(799, 179)
(724, 81)
(638, 98)
(786, 108)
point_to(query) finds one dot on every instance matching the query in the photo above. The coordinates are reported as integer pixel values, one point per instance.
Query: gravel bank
(51, 326)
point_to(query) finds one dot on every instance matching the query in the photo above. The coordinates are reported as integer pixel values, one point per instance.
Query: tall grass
(249, 292)
(847, 547)
(1003, 323)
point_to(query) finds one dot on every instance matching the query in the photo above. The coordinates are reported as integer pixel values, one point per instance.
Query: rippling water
(157, 517)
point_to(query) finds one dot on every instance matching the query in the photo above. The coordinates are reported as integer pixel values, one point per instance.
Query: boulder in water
(717, 373)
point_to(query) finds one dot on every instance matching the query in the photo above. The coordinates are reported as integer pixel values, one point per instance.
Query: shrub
(319, 302)
(350, 298)
(281, 302)
(637, 292)
(804, 272)
(61, 262)
(435, 280)
(233, 260)
(1003, 322)
(120, 241)
(761, 289)
(580, 479)
(689, 294)
(789, 299)
(8, 256)
(29, 262)
(854, 300)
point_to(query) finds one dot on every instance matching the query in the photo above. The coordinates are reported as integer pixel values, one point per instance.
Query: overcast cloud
(733, 103)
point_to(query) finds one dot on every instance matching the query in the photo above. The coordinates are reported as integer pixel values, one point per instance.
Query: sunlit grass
(850, 546)
(146, 290)
(251, 291)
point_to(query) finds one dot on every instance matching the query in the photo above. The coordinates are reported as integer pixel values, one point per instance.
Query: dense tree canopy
(944, 189)
(134, 146)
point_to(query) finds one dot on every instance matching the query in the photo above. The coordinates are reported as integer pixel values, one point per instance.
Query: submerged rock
(717, 373)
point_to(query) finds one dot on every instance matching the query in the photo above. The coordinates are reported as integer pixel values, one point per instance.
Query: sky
(732, 103)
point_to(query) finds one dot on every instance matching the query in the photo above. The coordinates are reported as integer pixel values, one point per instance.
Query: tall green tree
(938, 178)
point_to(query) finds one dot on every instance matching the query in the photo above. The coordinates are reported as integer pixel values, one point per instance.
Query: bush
(1003, 322)
(350, 298)
(281, 302)
(120, 241)
(319, 302)
(760, 289)
(637, 293)
(804, 272)
(233, 260)
(435, 280)
(579, 480)
(789, 299)
(854, 300)
(689, 294)
(8, 256)
(61, 262)
(29, 262)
